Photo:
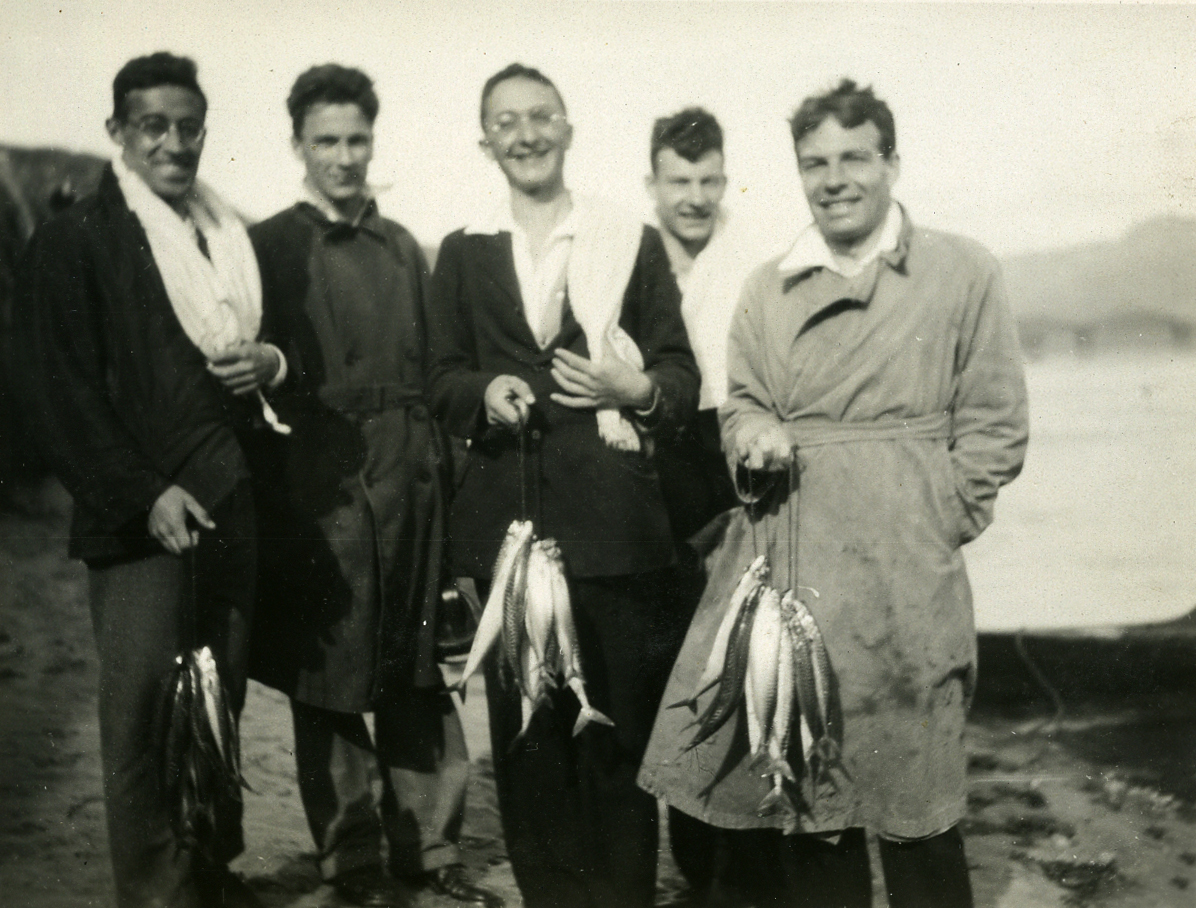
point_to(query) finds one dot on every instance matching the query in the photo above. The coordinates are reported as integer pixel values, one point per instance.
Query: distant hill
(38, 179)
(1139, 290)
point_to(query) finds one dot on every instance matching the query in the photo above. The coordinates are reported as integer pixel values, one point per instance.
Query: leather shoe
(221, 888)
(371, 888)
(451, 881)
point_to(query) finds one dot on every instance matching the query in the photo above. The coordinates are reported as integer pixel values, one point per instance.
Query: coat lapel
(496, 269)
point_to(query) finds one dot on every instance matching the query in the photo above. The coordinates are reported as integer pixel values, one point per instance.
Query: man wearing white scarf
(137, 315)
(555, 331)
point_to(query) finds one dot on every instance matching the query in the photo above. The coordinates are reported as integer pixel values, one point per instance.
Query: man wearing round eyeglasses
(137, 313)
(558, 350)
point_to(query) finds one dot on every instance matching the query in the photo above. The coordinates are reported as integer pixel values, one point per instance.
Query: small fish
(519, 533)
(779, 770)
(731, 684)
(538, 615)
(762, 671)
(753, 578)
(813, 680)
(570, 655)
(514, 637)
(213, 699)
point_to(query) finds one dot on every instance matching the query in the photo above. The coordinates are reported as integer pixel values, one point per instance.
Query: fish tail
(588, 714)
(690, 703)
(776, 801)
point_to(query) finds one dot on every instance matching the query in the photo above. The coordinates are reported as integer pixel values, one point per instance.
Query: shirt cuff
(645, 415)
(281, 375)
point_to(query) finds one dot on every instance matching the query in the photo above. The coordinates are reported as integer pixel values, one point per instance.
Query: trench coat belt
(371, 398)
(815, 431)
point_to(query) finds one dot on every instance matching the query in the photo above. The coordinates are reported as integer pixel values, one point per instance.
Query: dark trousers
(145, 613)
(772, 870)
(419, 753)
(579, 832)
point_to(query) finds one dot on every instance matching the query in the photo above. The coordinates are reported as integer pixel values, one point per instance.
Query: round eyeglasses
(541, 119)
(155, 128)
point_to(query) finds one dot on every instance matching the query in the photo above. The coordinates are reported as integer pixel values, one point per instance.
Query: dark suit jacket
(603, 506)
(120, 399)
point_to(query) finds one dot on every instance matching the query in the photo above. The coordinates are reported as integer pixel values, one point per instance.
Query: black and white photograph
(597, 454)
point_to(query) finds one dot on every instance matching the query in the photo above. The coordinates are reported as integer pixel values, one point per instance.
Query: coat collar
(824, 290)
(811, 253)
(368, 220)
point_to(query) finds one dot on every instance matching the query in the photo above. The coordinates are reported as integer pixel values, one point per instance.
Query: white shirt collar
(810, 250)
(499, 219)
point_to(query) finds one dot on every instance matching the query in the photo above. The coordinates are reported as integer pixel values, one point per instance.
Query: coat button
(419, 413)
(413, 355)
(352, 358)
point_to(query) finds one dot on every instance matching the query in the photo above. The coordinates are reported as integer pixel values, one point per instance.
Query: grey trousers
(142, 615)
(406, 786)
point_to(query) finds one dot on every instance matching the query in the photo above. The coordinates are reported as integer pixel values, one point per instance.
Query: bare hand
(610, 384)
(168, 520)
(246, 367)
(508, 401)
(771, 450)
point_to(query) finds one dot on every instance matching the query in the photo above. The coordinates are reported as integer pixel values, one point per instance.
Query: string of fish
(770, 665)
(528, 618)
(200, 746)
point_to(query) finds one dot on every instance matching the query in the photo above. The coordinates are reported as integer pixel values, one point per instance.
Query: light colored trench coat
(904, 391)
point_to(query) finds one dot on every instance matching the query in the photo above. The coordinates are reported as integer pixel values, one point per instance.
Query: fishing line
(751, 517)
(522, 470)
(792, 506)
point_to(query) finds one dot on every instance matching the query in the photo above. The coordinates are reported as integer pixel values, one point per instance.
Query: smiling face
(687, 195)
(527, 135)
(336, 145)
(847, 182)
(161, 138)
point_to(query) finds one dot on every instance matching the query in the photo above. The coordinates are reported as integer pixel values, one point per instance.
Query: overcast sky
(1023, 126)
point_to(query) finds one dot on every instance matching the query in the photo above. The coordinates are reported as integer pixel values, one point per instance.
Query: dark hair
(331, 83)
(514, 71)
(691, 133)
(852, 106)
(157, 69)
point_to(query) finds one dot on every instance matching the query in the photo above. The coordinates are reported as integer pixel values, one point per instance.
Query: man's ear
(114, 126)
(894, 167)
(487, 149)
(297, 148)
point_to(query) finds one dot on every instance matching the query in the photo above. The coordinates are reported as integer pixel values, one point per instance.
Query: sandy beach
(1082, 793)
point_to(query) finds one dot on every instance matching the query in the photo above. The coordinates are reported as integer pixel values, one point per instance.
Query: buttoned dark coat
(352, 503)
(603, 506)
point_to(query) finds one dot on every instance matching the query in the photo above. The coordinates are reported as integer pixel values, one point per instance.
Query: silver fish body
(519, 534)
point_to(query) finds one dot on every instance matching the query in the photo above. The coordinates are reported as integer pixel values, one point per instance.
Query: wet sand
(1083, 790)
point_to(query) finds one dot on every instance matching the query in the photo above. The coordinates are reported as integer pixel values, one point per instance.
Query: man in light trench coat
(876, 395)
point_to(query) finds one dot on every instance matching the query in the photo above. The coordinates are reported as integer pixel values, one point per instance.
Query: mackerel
(490, 624)
(731, 684)
(751, 581)
(762, 671)
(570, 655)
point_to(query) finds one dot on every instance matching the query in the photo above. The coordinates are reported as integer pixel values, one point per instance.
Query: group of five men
(254, 428)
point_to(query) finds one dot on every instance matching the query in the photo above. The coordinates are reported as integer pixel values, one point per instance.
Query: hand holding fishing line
(168, 520)
(508, 401)
(771, 450)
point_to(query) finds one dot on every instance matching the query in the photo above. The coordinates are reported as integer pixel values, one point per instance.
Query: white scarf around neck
(218, 301)
(605, 248)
